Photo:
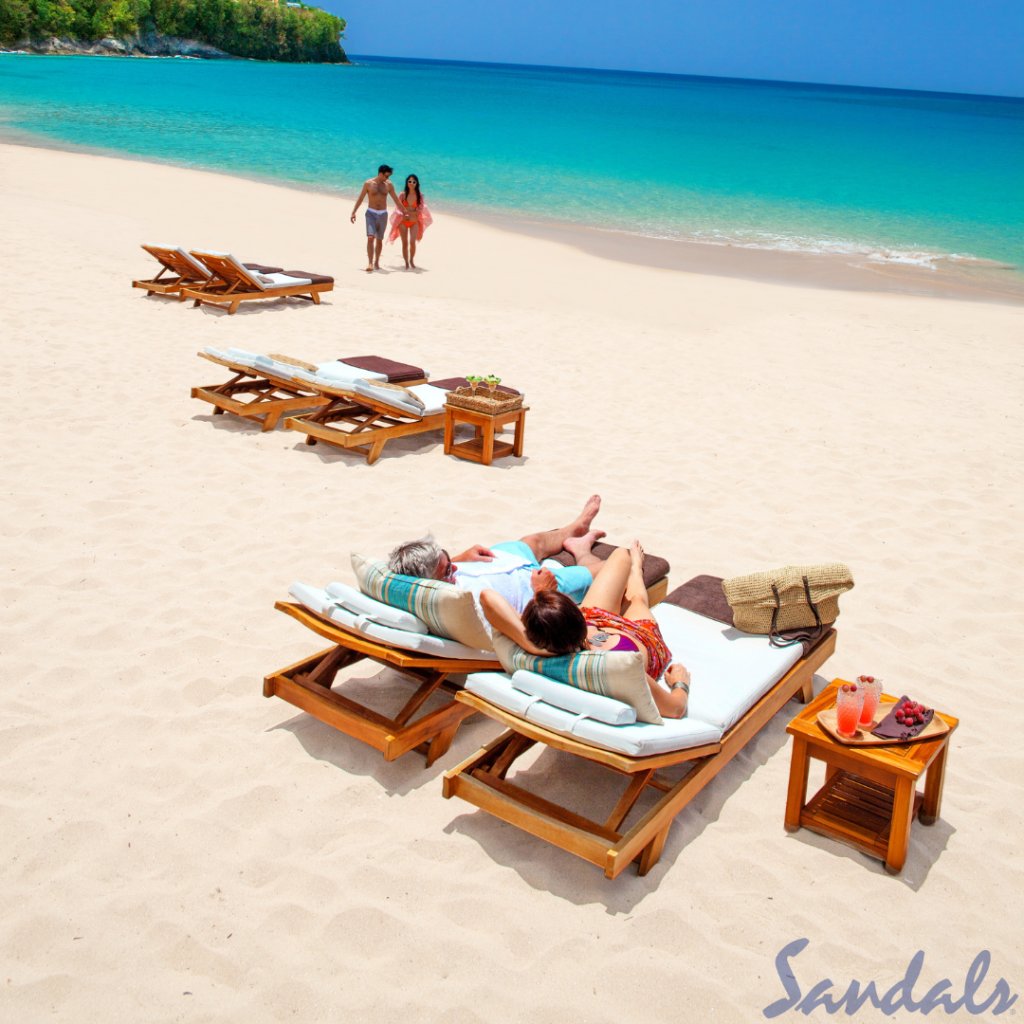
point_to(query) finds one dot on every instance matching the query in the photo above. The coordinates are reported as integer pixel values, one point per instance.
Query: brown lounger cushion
(397, 372)
(451, 383)
(260, 269)
(315, 278)
(654, 567)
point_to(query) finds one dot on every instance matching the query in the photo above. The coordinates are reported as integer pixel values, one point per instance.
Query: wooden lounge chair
(307, 683)
(277, 387)
(367, 417)
(255, 393)
(482, 779)
(235, 283)
(185, 268)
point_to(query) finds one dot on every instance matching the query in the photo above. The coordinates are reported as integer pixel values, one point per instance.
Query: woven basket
(753, 600)
(475, 401)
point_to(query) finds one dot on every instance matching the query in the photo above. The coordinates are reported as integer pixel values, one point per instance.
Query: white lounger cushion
(279, 280)
(433, 399)
(636, 740)
(571, 698)
(358, 603)
(322, 603)
(345, 374)
(729, 670)
(233, 355)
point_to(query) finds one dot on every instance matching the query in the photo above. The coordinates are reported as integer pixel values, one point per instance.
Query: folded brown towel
(397, 372)
(260, 269)
(654, 567)
(889, 729)
(451, 383)
(315, 278)
(704, 595)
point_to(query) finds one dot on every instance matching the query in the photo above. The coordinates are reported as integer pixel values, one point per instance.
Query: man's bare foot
(579, 547)
(369, 269)
(412, 263)
(581, 524)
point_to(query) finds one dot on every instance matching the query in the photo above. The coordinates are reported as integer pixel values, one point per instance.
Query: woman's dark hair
(553, 621)
(419, 195)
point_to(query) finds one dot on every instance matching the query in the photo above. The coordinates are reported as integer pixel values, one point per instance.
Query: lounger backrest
(180, 262)
(229, 269)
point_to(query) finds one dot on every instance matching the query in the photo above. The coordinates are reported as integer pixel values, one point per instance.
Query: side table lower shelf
(856, 811)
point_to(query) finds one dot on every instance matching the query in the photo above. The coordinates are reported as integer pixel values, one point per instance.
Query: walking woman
(412, 221)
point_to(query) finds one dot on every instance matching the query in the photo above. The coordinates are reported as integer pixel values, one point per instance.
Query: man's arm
(394, 195)
(477, 553)
(359, 203)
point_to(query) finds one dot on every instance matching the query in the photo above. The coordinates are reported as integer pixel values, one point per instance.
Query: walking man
(376, 191)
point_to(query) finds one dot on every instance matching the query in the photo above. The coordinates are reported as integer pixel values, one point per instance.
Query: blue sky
(964, 46)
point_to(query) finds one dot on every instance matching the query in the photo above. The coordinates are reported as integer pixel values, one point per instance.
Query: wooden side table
(870, 794)
(483, 448)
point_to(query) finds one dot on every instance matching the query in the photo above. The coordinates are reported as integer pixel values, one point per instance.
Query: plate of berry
(894, 721)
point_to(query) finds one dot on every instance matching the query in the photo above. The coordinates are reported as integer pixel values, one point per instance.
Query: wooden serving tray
(863, 738)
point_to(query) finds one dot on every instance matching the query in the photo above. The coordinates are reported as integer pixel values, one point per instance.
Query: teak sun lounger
(235, 283)
(366, 418)
(267, 396)
(187, 270)
(482, 779)
(307, 683)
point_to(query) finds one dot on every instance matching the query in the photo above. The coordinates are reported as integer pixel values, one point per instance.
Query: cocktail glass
(849, 701)
(872, 693)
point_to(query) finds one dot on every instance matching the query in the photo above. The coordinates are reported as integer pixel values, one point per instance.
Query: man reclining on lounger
(512, 568)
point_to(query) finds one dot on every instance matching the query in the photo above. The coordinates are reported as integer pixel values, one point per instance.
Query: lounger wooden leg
(637, 784)
(652, 851)
(270, 420)
(218, 411)
(233, 307)
(807, 689)
(316, 298)
(310, 441)
(374, 453)
(440, 744)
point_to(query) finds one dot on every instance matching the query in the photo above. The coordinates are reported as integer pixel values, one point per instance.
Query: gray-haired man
(512, 568)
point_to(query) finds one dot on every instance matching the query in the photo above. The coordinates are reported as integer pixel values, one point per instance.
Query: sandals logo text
(899, 997)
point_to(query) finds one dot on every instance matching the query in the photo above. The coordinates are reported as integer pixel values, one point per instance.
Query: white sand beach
(176, 847)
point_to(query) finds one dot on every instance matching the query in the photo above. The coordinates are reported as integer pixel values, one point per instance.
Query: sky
(973, 46)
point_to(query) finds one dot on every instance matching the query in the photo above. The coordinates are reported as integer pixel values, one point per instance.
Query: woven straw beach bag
(794, 597)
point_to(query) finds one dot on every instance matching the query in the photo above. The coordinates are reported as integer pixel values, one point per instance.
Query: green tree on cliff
(264, 29)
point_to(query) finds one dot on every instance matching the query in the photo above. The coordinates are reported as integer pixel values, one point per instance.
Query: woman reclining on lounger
(553, 624)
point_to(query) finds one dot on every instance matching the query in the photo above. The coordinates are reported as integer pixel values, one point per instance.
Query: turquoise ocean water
(910, 176)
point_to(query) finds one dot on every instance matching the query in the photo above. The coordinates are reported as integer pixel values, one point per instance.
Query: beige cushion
(616, 674)
(448, 611)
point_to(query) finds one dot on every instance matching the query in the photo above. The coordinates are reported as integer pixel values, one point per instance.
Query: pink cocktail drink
(849, 701)
(872, 688)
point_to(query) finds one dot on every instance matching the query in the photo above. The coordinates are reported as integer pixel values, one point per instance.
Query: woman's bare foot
(579, 547)
(636, 554)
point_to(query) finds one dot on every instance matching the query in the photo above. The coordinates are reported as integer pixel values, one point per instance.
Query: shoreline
(972, 281)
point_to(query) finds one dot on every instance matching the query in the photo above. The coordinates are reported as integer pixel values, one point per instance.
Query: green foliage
(264, 29)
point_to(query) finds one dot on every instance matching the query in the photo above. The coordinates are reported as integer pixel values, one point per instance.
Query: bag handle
(775, 637)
